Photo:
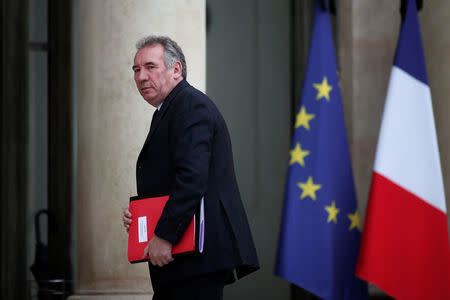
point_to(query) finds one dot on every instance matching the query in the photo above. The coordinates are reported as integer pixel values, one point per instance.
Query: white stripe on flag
(407, 151)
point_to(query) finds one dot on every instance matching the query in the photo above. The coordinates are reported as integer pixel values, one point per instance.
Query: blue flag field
(320, 231)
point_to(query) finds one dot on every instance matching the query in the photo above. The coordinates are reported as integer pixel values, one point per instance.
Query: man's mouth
(145, 88)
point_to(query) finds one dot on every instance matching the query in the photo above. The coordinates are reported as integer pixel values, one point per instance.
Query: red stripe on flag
(405, 247)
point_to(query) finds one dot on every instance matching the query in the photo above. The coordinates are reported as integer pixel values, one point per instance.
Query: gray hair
(172, 52)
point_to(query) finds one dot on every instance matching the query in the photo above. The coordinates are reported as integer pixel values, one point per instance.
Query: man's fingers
(126, 217)
(165, 261)
(146, 253)
(159, 263)
(168, 258)
(168, 261)
(159, 251)
(126, 225)
(127, 213)
(126, 220)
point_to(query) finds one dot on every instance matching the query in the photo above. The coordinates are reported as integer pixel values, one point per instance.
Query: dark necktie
(155, 114)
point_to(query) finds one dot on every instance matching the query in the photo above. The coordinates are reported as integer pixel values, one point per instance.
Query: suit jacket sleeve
(190, 140)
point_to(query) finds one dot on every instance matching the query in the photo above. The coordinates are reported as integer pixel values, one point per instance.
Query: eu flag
(321, 229)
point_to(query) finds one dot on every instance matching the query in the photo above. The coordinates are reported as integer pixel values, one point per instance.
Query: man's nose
(142, 76)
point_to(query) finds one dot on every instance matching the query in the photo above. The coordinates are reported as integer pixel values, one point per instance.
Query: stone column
(113, 121)
(367, 37)
(435, 23)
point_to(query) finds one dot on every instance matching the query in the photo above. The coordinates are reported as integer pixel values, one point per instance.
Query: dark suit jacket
(187, 154)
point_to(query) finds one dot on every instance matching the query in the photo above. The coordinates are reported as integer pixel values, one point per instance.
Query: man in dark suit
(187, 155)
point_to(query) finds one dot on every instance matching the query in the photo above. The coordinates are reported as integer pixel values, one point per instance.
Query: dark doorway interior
(14, 136)
(36, 141)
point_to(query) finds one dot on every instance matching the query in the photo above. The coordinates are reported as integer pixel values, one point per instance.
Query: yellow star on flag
(355, 221)
(332, 212)
(298, 155)
(323, 89)
(309, 188)
(303, 118)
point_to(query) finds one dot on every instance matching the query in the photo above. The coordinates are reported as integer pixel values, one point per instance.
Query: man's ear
(177, 69)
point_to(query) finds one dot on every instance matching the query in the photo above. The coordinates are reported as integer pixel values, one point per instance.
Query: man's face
(153, 80)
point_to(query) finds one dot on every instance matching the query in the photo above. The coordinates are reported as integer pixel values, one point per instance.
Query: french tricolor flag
(405, 243)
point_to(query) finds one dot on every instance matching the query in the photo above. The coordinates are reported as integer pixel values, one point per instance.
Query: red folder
(146, 212)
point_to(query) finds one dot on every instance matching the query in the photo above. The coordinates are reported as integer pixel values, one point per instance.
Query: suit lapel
(165, 106)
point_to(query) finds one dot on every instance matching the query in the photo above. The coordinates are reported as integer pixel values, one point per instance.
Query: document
(146, 212)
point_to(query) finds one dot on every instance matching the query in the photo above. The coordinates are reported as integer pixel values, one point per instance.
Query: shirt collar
(182, 84)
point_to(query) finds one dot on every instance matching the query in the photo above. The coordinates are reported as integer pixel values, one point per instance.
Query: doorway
(37, 148)
(254, 59)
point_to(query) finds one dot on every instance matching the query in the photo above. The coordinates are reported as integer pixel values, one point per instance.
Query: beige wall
(367, 37)
(435, 22)
(113, 121)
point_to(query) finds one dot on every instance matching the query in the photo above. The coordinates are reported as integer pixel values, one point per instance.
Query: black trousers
(203, 287)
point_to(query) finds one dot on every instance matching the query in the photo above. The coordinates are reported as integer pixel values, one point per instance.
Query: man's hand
(159, 251)
(126, 219)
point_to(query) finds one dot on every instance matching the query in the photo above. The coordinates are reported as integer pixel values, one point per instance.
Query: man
(187, 155)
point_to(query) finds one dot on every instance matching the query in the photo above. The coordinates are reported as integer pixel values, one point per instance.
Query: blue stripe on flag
(409, 55)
